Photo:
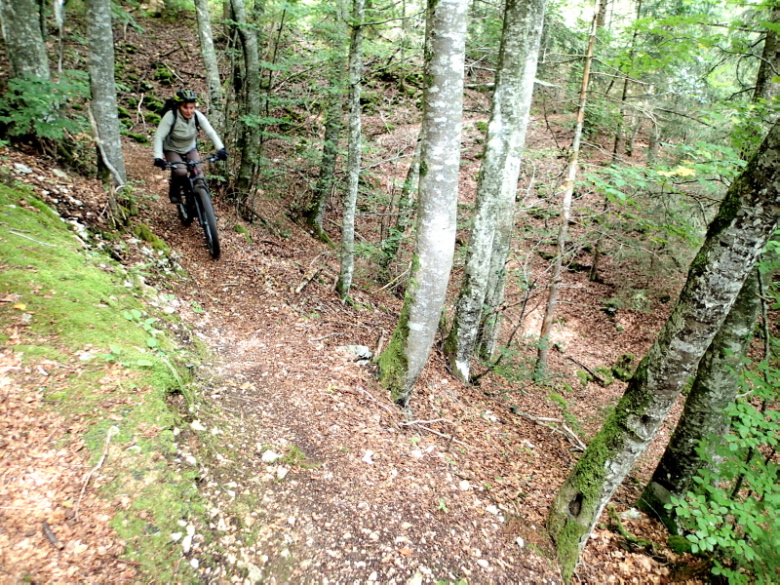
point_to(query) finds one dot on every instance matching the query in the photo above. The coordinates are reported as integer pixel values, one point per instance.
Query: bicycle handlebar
(192, 163)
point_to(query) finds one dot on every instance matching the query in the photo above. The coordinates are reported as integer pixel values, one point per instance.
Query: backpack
(173, 106)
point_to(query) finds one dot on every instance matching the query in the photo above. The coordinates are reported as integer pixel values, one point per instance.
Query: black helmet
(184, 96)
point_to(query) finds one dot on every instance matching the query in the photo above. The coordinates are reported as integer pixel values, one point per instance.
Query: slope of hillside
(286, 462)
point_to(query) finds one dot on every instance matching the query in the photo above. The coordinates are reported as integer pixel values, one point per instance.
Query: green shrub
(38, 107)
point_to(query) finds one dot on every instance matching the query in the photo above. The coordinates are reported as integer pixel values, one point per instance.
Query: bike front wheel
(208, 220)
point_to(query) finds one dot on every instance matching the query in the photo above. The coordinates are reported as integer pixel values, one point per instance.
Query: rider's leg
(178, 176)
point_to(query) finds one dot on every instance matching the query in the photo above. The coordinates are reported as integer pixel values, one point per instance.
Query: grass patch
(113, 363)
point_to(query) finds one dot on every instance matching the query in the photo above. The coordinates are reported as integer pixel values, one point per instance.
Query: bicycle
(196, 202)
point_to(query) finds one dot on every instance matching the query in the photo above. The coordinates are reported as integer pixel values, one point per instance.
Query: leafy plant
(39, 107)
(732, 516)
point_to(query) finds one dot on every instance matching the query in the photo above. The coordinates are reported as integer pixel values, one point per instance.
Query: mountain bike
(196, 202)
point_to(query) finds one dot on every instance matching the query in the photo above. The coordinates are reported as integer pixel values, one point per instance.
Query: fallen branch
(599, 380)
(111, 432)
(51, 537)
(16, 233)
(450, 438)
(564, 430)
(414, 422)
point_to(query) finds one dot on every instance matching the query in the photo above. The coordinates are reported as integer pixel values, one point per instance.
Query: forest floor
(337, 484)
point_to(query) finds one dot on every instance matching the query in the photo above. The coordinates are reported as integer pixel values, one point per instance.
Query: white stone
(196, 425)
(270, 456)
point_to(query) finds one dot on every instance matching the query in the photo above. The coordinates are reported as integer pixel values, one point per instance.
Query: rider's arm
(210, 132)
(162, 131)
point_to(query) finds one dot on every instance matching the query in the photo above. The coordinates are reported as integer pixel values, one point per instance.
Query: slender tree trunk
(397, 234)
(252, 105)
(497, 185)
(353, 154)
(334, 122)
(404, 358)
(705, 413)
(747, 218)
(568, 192)
(211, 65)
(25, 46)
(102, 83)
(767, 85)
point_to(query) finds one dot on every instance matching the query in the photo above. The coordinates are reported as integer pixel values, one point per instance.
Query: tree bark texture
(747, 218)
(211, 66)
(252, 102)
(497, 184)
(353, 152)
(334, 122)
(403, 360)
(705, 415)
(102, 84)
(767, 86)
(568, 192)
(24, 41)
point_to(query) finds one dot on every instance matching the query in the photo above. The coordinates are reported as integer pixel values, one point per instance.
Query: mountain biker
(176, 137)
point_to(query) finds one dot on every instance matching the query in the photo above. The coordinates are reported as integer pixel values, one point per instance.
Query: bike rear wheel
(208, 221)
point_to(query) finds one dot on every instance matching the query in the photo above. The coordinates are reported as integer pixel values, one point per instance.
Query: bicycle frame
(198, 200)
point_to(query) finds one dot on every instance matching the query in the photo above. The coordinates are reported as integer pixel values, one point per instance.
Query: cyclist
(176, 137)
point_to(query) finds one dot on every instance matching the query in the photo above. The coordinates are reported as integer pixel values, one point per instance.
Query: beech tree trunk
(103, 86)
(568, 192)
(334, 122)
(747, 218)
(353, 155)
(252, 101)
(705, 415)
(404, 358)
(25, 46)
(497, 185)
(211, 66)
(405, 210)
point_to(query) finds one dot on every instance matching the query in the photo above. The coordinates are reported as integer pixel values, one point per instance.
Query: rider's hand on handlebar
(158, 162)
(222, 154)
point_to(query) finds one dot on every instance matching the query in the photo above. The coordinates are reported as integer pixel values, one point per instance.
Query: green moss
(139, 138)
(76, 311)
(143, 232)
(482, 126)
(679, 544)
(152, 118)
(239, 229)
(393, 363)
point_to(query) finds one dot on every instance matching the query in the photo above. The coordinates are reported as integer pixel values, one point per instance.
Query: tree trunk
(746, 219)
(252, 105)
(497, 186)
(334, 122)
(405, 356)
(705, 414)
(211, 66)
(25, 46)
(102, 83)
(405, 208)
(353, 154)
(568, 192)
(767, 85)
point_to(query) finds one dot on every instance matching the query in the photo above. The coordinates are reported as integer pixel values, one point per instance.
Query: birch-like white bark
(102, 83)
(353, 152)
(403, 360)
(210, 66)
(24, 41)
(497, 186)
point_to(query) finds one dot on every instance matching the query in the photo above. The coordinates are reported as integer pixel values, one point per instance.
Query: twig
(50, 535)
(566, 431)
(326, 336)
(14, 232)
(450, 438)
(111, 432)
(367, 393)
(415, 422)
(601, 382)
(307, 278)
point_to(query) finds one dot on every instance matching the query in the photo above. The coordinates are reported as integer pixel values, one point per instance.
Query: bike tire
(208, 220)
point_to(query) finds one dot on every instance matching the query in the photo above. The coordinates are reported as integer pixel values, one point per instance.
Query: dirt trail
(376, 499)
